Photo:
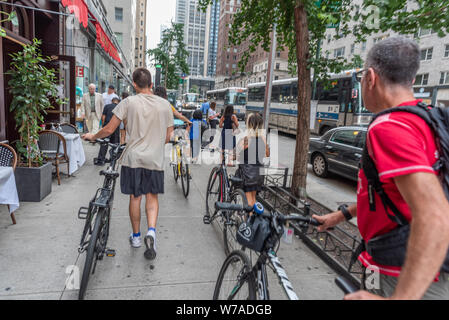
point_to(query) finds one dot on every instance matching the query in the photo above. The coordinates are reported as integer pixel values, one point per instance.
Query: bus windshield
(235, 98)
(191, 98)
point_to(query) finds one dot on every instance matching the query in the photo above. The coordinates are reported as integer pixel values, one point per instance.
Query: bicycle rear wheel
(92, 251)
(185, 181)
(235, 281)
(213, 190)
(233, 222)
(175, 172)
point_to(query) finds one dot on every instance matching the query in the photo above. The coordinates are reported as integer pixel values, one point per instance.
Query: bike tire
(225, 276)
(211, 198)
(185, 179)
(236, 218)
(90, 254)
(175, 172)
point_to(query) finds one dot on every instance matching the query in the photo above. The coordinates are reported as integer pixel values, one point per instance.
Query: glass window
(346, 137)
(426, 54)
(422, 79)
(444, 79)
(339, 52)
(446, 51)
(118, 14)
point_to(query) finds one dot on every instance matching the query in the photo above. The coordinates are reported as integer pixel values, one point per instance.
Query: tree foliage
(171, 55)
(302, 24)
(33, 88)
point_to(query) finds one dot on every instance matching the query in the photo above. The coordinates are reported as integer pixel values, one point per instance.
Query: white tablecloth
(75, 151)
(8, 189)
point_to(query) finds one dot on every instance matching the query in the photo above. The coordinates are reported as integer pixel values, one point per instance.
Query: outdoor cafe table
(8, 189)
(75, 151)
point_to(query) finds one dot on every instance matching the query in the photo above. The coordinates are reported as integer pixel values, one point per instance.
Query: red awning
(78, 7)
(106, 43)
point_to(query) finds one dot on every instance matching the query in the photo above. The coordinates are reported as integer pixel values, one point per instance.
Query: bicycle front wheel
(235, 281)
(92, 251)
(185, 181)
(233, 221)
(213, 191)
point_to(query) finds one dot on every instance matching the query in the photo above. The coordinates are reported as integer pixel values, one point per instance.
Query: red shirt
(399, 143)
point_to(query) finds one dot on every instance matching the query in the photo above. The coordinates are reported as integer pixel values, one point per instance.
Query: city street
(36, 253)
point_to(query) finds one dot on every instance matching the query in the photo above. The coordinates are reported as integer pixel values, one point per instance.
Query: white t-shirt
(107, 98)
(148, 117)
(211, 113)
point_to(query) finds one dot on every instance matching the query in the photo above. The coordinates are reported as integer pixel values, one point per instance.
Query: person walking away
(402, 211)
(228, 123)
(149, 125)
(213, 116)
(109, 95)
(205, 108)
(122, 124)
(196, 133)
(162, 92)
(113, 138)
(251, 151)
(92, 106)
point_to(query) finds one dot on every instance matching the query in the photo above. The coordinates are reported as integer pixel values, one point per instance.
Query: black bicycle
(224, 188)
(238, 279)
(96, 228)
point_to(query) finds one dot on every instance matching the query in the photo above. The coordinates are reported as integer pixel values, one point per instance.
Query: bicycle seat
(110, 174)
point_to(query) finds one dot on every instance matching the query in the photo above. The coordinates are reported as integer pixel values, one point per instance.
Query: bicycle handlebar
(346, 286)
(282, 218)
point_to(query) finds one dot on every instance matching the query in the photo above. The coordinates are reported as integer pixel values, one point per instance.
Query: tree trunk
(304, 96)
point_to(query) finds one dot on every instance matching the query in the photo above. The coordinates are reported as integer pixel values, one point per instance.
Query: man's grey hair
(396, 60)
(92, 85)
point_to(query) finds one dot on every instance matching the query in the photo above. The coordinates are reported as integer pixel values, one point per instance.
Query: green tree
(171, 55)
(33, 89)
(302, 24)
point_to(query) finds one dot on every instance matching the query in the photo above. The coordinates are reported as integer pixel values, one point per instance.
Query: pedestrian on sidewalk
(149, 125)
(109, 95)
(122, 124)
(113, 138)
(229, 124)
(251, 151)
(92, 106)
(402, 212)
(213, 116)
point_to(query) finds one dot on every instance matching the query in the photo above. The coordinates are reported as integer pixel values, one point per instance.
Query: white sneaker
(136, 242)
(150, 243)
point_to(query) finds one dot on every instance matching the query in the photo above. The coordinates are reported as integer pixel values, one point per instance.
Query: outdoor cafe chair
(49, 144)
(68, 128)
(8, 158)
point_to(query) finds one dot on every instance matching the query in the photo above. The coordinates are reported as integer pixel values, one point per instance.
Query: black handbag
(254, 232)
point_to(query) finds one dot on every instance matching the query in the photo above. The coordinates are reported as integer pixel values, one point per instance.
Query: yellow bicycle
(179, 163)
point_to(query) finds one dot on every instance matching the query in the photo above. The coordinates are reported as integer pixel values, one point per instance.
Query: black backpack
(389, 249)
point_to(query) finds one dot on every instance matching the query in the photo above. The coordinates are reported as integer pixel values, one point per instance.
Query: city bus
(339, 103)
(190, 102)
(229, 96)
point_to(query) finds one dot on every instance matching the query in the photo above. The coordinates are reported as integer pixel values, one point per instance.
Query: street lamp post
(269, 83)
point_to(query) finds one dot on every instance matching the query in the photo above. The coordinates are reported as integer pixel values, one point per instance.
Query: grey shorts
(140, 181)
(437, 290)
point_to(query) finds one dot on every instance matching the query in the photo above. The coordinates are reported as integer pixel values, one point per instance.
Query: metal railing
(335, 247)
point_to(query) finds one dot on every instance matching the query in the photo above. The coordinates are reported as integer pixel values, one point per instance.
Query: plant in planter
(33, 87)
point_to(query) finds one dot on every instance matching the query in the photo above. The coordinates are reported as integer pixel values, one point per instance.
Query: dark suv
(338, 151)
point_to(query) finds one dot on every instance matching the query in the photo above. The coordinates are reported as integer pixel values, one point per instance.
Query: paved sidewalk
(35, 253)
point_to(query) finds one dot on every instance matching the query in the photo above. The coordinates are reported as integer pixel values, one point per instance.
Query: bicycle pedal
(82, 213)
(110, 252)
(206, 219)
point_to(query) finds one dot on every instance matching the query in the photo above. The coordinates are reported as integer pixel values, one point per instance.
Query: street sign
(158, 66)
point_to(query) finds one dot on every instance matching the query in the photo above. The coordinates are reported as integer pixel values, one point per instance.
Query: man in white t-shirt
(109, 95)
(149, 125)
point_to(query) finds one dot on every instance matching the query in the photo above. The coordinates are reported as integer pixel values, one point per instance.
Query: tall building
(228, 72)
(432, 80)
(213, 38)
(121, 15)
(196, 35)
(140, 38)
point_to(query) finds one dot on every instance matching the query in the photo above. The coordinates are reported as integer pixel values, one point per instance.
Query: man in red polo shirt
(403, 150)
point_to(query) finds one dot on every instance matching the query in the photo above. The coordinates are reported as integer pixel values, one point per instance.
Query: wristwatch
(344, 209)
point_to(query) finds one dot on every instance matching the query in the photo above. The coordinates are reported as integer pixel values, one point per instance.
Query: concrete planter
(33, 184)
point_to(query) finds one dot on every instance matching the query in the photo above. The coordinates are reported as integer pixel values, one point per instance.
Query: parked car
(339, 151)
